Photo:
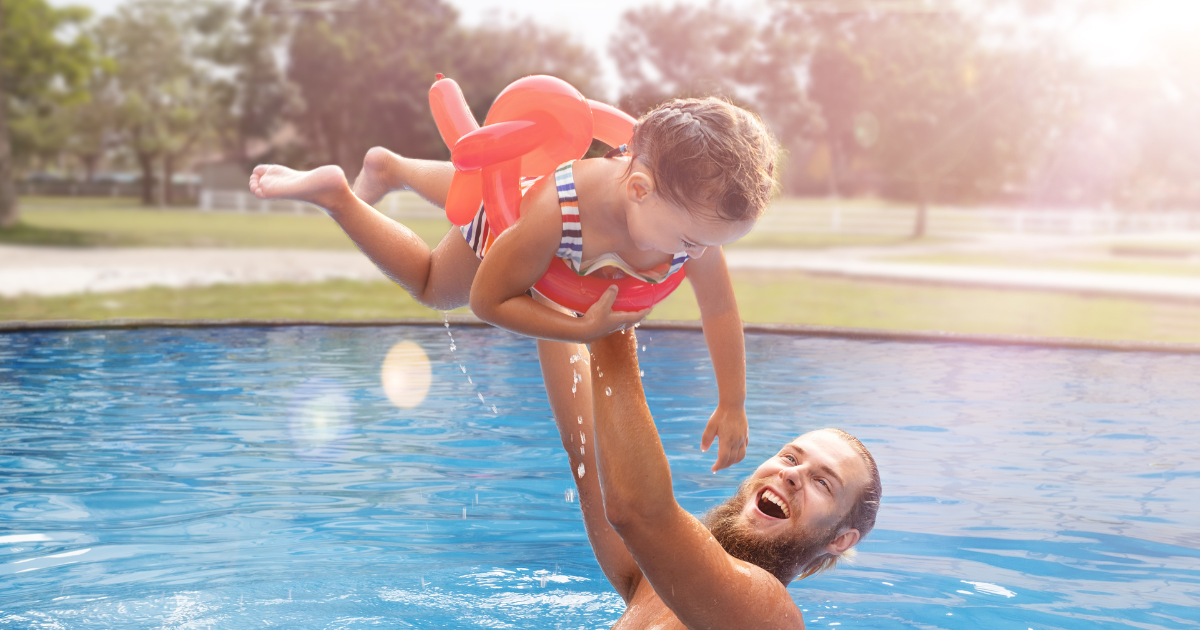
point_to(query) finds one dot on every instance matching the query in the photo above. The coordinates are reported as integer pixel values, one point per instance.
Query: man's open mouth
(773, 505)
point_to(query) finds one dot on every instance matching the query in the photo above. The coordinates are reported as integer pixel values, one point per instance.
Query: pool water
(265, 477)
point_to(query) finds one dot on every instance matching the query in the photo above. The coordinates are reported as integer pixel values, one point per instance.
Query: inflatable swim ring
(535, 124)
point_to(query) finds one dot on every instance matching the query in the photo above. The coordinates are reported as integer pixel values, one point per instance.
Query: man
(792, 517)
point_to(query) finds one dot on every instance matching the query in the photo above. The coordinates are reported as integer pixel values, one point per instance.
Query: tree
(256, 98)
(364, 73)
(164, 74)
(41, 64)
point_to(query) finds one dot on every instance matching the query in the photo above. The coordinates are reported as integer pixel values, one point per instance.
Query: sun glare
(1133, 35)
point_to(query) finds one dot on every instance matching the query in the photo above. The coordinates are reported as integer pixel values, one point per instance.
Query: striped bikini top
(570, 248)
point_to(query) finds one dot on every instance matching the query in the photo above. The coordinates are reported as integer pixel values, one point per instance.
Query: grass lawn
(83, 222)
(763, 297)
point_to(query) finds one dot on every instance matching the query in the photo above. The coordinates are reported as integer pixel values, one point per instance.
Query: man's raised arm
(689, 570)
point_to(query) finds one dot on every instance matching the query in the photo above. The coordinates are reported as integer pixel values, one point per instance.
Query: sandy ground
(61, 271)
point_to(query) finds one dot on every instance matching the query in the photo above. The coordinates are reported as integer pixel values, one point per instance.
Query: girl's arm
(517, 260)
(727, 346)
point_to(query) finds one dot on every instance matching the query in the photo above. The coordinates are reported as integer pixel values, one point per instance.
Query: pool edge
(805, 330)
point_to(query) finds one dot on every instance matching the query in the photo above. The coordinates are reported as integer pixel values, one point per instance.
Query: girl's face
(660, 225)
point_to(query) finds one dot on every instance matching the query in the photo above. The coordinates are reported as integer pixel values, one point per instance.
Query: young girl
(696, 175)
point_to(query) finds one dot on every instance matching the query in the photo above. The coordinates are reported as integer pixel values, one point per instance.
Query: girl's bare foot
(380, 175)
(325, 186)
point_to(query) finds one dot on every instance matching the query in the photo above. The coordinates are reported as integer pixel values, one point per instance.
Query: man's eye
(823, 483)
(790, 458)
(687, 245)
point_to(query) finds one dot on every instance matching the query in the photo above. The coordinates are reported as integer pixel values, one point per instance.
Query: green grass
(335, 299)
(83, 222)
(762, 297)
(1023, 260)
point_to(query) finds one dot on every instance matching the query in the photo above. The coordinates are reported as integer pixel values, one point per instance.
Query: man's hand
(601, 320)
(729, 425)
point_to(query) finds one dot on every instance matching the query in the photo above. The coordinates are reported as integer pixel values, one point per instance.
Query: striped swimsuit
(570, 247)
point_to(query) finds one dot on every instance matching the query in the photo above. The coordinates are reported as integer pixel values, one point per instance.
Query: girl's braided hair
(701, 150)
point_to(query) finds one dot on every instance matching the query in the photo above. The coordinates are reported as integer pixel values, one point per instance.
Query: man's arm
(573, 415)
(689, 570)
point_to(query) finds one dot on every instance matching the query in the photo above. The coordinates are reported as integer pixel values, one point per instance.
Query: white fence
(791, 215)
(397, 204)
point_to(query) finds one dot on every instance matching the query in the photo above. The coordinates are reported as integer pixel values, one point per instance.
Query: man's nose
(792, 476)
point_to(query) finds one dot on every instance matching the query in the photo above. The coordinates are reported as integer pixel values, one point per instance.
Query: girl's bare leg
(384, 171)
(439, 279)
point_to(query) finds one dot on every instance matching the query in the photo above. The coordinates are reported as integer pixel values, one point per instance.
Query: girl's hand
(600, 319)
(729, 425)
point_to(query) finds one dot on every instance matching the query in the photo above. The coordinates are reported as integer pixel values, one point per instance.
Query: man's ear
(844, 541)
(639, 186)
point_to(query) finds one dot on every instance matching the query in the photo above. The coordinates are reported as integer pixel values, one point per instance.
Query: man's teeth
(774, 498)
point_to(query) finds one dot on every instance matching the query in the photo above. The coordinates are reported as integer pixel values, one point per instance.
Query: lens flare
(406, 375)
(320, 418)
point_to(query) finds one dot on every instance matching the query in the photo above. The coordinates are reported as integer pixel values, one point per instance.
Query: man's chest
(647, 611)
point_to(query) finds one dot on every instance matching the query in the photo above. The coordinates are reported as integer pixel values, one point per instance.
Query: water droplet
(608, 391)
(581, 451)
(578, 377)
(494, 410)
(469, 379)
(580, 419)
(641, 372)
(543, 579)
(601, 374)
(582, 437)
(480, 397)
(453, 348)
(579, 471)
(463, 368)
(570, 495)
(643, 347)
(464, 512)
(574, 358)
(476, 498)
(573, 387)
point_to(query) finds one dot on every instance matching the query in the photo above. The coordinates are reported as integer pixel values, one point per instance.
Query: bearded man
(793, 517)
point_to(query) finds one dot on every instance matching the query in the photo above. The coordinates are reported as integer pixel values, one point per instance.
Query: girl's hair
(704, 149)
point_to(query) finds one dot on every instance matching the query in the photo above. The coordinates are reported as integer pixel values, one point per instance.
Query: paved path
(61, 271)
(1127, 284)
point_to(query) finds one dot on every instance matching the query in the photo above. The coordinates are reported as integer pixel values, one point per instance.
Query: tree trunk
(168, 174)
(89, 166)
(146, 161)
(8, 194)
(922, 211)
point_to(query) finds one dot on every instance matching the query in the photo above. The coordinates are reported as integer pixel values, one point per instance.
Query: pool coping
(803, 330)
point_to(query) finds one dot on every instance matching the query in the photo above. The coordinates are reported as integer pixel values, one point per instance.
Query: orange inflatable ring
(534, 125)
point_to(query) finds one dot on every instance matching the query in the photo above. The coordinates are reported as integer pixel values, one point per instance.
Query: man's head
(803, 508)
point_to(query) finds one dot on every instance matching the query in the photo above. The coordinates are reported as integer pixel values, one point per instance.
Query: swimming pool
(263, 477)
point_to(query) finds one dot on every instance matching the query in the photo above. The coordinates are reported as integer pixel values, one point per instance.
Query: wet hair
(861, 515)
(701, 150)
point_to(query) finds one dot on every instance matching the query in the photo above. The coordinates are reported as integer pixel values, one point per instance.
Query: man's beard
(783, 556)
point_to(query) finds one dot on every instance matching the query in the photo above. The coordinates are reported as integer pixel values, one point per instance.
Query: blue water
(253, 478)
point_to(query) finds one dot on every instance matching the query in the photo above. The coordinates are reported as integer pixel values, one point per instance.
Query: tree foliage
(364, 71)
(931, 101)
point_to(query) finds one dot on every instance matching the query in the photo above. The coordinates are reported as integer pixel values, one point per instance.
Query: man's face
(788, 511)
